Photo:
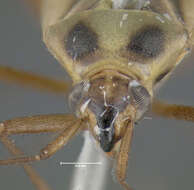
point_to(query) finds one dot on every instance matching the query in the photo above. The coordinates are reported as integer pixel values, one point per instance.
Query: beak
(106, 125)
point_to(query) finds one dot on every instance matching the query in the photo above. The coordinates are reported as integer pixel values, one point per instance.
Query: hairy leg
(37, 124)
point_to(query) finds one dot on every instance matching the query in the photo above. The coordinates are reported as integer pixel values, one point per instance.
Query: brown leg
(37, 124)
(174, 111)
(50, 149)
(38, 182)
(32, 80)
(122, 159)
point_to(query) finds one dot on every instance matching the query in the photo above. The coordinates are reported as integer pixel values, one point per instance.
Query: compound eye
(78, 94)
(141, 97)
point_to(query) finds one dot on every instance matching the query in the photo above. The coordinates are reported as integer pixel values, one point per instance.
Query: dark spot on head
(148, 42)
(81, 41)
(161, 76)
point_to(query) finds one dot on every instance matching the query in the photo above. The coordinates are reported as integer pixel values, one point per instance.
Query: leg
(122, 159)
(32, 80)
(173, 111)
(37, 124)
(186, 9)
(50, 149)
(39, 183)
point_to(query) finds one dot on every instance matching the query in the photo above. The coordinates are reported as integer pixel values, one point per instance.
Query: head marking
(148, 42)
(81, 41)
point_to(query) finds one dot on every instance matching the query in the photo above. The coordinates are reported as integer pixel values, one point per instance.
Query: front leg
(37, 124)
(50, 149)
(122, 158)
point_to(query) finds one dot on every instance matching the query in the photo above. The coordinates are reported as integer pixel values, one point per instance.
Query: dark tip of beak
(106, 142)
(106, 125)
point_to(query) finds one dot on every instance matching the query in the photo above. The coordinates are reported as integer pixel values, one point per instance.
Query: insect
(116, 53)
